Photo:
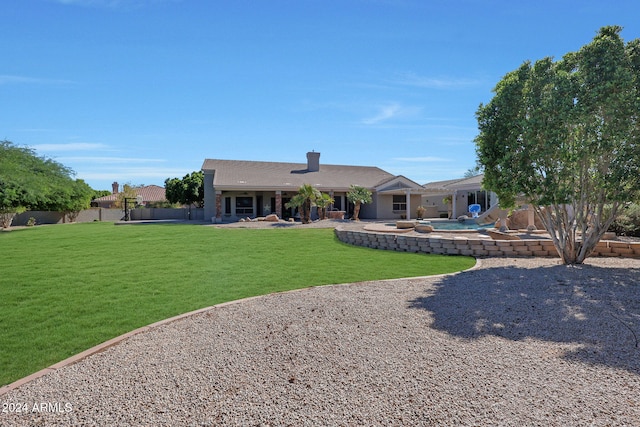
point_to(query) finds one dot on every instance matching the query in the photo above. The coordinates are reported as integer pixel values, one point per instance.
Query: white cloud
(109, 3)
(72, 146)
(5, 79)
(410, 79)
(131, 173)
(387, 112)
(424, 159)
(110, 160)
(101, 171)
(390, 111)
(9, 79)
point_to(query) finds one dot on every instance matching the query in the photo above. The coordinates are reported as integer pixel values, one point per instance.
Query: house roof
(149, 193)
(152, 193)
(399, 185)
(449, 186)
(244, 174)
(473, 181)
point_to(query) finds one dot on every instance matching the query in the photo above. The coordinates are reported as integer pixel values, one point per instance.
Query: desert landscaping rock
(424, 228)
(405, 224)
(514, 342)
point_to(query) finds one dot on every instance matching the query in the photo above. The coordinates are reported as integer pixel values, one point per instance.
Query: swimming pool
(455, 225)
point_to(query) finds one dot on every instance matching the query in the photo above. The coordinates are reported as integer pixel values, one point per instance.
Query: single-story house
(235, 189)
(452, 198)
(148, 194)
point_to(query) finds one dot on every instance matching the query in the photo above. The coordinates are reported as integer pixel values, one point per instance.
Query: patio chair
(474, 210)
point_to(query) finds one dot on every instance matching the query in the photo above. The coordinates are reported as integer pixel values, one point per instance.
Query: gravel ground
(513, 342)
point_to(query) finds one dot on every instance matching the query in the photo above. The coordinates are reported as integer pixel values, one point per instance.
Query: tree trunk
(6, 218)
(306, 211)
(356, 211)
(575, 234)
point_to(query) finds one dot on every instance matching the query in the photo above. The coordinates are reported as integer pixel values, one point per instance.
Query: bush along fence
(474, 247)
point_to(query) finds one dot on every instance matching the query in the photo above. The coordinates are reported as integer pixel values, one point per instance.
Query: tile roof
(152, 193)
(440, 185)
(108, 198)
(243, 174)
(149, 193)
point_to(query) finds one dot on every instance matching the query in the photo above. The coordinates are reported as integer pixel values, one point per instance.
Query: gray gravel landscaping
(513, 342)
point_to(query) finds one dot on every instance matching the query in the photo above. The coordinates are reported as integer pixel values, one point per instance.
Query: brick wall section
(474, 247)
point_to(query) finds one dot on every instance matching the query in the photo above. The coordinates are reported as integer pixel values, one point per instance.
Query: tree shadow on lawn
(595, 307)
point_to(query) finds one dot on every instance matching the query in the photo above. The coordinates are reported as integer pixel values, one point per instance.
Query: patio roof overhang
(399, 191)
(443, 191)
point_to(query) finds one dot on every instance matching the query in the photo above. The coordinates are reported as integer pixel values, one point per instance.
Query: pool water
(455, 225)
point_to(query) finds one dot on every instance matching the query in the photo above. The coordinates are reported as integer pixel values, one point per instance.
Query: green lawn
(66, 288)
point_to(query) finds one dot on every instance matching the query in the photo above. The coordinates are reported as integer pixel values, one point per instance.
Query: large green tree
(74, 197)
(563, 136)
(187, 191)
(29, 181)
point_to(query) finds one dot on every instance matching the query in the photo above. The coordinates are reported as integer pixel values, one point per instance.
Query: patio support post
(407, 195)
(279, 203)
(218, 206)
(453, 204)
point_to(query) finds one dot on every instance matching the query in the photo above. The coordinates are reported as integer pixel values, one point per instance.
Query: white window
(400, 202)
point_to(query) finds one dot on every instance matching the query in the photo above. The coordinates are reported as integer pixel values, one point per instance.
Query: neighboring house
(235, 189)
(148, 193)
(462, 193)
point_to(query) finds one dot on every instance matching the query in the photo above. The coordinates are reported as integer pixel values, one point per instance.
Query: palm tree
(323, 203)
(358, 195)
(304, 200)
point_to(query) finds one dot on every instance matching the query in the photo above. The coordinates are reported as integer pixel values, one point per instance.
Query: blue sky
(137, 91)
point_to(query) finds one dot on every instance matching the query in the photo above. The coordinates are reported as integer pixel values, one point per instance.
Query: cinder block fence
(474, 247)
(104, 214)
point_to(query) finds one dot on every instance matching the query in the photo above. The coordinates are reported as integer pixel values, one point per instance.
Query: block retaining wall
(475, 247)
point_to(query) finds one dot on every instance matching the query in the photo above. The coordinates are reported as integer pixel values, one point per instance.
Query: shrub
(627, 223)
(7, 215)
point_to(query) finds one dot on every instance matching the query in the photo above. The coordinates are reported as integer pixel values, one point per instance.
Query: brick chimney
(114, 188)
(313, 161)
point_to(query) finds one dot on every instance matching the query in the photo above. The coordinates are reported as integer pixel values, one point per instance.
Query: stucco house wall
(370, 210)
(436, 204)
(386, 211)
(209, 195)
